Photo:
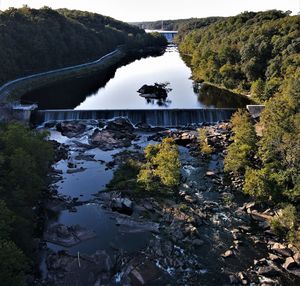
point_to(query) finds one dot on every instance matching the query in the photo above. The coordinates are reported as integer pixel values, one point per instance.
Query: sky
(150, 10)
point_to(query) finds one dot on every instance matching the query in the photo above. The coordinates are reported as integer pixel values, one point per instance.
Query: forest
(39, 40)
(252, 53)
(25, 159)
(258, 54)
(177, 25)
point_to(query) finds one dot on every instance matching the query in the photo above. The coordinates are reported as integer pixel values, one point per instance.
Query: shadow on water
(69, 93)
(221, 98)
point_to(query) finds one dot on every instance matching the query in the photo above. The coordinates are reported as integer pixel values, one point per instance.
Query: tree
(162, 167)
(13, 264)
(258, 90)
(205, 148)
(241, 151)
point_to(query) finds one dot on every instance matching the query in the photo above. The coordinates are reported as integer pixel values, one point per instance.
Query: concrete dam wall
(154, 117)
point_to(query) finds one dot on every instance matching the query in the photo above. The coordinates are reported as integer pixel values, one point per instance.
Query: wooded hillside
(251, 52)
(38, 40)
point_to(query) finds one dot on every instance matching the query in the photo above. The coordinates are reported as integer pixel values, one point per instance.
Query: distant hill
(38, 40)
(172, 25)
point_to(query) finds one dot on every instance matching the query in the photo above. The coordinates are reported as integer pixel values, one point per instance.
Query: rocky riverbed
(207, 233)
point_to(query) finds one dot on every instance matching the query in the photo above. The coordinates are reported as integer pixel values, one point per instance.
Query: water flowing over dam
(154, 117)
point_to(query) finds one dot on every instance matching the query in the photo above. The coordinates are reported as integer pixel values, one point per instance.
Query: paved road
(4, 89)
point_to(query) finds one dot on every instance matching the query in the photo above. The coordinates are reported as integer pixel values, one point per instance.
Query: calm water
(117, 88)
(121, 91)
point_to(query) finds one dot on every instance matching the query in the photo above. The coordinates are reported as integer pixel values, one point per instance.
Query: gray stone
(289, 263)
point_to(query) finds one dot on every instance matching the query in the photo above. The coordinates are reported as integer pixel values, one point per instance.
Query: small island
(157, 91)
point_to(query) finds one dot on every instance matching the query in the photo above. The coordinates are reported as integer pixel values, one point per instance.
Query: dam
(153, 117)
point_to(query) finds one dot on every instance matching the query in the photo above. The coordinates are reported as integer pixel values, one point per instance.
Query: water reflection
(210, 95)
(160, 102)
(117, 88)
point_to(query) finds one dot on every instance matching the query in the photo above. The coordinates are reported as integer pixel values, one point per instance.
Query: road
(5, 89)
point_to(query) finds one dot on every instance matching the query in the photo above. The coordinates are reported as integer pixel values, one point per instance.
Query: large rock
(289, 263)
(81, 270)
(120, 124)
(131, 225)
(117, 134)
(67, 235)
(70, 129)
(122, 205)
(268, 271)
(110, 139)
(143, 272)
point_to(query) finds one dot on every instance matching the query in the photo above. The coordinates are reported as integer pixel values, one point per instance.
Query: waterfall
(154, 117)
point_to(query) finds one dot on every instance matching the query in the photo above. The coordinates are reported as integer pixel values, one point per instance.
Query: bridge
(169, 35)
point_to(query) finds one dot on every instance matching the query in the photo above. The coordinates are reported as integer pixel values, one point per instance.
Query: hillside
(180, 25)
(254, 52)
(38, 40)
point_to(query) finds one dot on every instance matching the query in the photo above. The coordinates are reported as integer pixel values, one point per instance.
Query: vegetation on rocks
(162, 167)
(25, 158)
(205, 148)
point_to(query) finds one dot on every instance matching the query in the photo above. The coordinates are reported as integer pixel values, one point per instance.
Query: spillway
(154, 117)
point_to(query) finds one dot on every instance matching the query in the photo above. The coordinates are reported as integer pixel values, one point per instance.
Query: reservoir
(118, 88)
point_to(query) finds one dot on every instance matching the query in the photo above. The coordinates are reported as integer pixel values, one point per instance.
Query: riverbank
(207, 232)
(14, 90)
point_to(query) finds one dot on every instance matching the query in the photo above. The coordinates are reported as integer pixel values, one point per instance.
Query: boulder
(81, 269)
(131, 225)
(289, 263)
(122, 205)
(297, 257)
(227, 253)
(120, 124)
(268, 271)
(145, 272)
(110, 139)
(67, 235)
(70, 129)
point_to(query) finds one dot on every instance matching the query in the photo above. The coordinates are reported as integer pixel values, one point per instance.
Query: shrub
(162, 167)
(241, 151)
(285, 221)
(205, 148)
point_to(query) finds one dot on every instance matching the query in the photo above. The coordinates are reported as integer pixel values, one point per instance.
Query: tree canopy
(38, 40)
(254, 52)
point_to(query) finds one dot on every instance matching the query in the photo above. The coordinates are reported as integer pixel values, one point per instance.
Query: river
(118, 89)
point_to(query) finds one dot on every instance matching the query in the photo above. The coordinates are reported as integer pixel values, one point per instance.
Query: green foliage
(125, 176)
(257, 184)
(205, 148)
(241, 151)
(7, 220)
(38, 40)
(258, 90)
(25, 158)
(162, 167)
(13, 264)
(279, 147)
(285, 221)
(259, 48)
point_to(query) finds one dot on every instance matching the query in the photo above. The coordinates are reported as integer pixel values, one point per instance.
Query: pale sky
(148, 10)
